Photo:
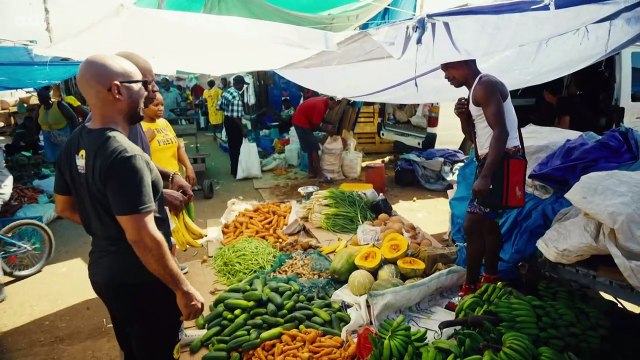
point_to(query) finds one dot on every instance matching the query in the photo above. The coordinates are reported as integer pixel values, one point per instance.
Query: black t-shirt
(581, 117)
(108, 176)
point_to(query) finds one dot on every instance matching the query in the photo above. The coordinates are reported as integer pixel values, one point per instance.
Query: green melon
(386, 284)
(360, 282)
(389, 271)
(413, 280)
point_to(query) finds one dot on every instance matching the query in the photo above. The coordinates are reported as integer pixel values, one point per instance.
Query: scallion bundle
(338, 210)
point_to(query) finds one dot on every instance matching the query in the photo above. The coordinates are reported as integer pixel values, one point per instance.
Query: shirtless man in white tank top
(488, 120)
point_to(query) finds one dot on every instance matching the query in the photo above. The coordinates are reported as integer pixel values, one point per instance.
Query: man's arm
(487, 96)
(66, 207)
(461, 109)
(149, 245)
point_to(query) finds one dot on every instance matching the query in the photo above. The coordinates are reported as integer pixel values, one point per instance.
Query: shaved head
(141, 63)
(147, 72)
(113, 88)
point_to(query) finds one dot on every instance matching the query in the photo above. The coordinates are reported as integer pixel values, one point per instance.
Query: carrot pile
(304, 345)
(264, 221)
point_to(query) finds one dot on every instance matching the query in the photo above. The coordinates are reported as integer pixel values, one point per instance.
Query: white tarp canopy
(197, 43)
(522, 42)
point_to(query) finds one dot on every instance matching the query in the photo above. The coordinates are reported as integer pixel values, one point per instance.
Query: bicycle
(25, 248)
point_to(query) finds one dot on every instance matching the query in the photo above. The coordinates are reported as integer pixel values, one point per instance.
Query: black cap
(239, 79)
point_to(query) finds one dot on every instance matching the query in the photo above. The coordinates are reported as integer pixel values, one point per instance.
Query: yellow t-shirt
(213, 97)
(164, 147)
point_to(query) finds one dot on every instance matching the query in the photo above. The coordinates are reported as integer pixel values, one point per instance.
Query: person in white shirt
(489, 120)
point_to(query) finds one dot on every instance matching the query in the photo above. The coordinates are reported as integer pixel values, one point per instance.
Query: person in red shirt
(307, 119)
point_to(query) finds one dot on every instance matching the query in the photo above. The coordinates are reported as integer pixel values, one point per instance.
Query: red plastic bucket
(374, 174)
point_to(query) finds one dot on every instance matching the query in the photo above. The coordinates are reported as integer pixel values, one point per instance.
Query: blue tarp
(563, 168)
(521, 228)
(21, 69)
(398, 10)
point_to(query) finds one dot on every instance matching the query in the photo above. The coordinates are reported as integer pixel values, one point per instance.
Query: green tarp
(330, 15)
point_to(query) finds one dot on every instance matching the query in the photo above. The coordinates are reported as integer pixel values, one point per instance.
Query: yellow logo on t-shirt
(80, 161)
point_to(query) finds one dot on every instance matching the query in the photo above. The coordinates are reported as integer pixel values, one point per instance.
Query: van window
(635, 76)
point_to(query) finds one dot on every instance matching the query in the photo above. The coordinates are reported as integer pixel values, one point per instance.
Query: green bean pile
(243, 258)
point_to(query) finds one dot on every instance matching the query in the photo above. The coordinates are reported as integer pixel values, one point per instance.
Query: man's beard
(135, 117)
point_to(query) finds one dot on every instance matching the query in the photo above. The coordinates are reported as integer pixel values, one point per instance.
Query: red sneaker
(488, 279)
(467, 290)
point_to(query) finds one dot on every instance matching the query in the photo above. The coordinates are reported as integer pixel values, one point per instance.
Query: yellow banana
(343, 244)
(185, 233)
(193, 229)
(329, 249)
(178, 236)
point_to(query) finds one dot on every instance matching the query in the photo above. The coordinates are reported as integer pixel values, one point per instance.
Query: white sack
(249, 162)
(331, 158)
(351, 164)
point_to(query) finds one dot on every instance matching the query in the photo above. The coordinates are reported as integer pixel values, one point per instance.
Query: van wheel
(207, 188)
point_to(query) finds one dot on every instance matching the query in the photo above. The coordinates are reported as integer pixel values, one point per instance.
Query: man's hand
(191, 176)
(461, 109)
(481, 187)
(190, 302)
(174, 200)
(180, 185)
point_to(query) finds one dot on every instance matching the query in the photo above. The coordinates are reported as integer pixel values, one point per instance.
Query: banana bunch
(469, 342)
(547, 353)
(186, 232)
(395, 340)
(516, 346)
(341, 244)
(519, 314)
(443, 350)
(482, 299)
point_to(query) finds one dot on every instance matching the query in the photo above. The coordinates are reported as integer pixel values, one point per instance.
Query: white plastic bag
(249, 162)
(368, 234)
(351, 164)
(331, 158)
(293, 137)
(421, 302)
(292, 154)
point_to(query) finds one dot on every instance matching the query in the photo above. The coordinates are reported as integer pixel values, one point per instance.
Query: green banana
(386, 352)
(447, 346)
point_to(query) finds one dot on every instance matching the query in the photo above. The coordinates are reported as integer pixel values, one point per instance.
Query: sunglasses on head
(145, 83)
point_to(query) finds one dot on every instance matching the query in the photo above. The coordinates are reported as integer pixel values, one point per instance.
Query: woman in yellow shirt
(56, 120)
(166, 150)
(212, 97)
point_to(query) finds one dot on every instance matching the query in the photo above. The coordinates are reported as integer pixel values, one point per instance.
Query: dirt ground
(56, 315)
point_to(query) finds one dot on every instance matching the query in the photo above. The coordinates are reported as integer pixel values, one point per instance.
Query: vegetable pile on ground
(264, 221)
(243, 258)
(338, 211)
(259, 310)
(307, 344)
(561, 323)
(300, 266)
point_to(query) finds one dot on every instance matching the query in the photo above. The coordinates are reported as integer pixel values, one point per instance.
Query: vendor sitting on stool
(307, 119)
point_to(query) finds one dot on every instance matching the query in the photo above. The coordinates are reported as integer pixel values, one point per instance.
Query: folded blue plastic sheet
(564, 167)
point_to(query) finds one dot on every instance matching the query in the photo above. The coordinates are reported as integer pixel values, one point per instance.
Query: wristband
(171, 177)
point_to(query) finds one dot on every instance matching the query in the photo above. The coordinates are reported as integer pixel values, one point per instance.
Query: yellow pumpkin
(394, 248)
(411, 267)
(369, 259)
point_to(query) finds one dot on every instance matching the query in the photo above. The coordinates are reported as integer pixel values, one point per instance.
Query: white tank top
(484, 132)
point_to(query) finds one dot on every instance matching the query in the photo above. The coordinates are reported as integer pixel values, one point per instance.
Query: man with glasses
(112, 188)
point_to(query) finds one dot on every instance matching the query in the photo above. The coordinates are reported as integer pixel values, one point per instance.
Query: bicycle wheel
(39, 242)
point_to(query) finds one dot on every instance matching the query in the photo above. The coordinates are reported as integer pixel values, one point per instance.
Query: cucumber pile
(259, 309)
